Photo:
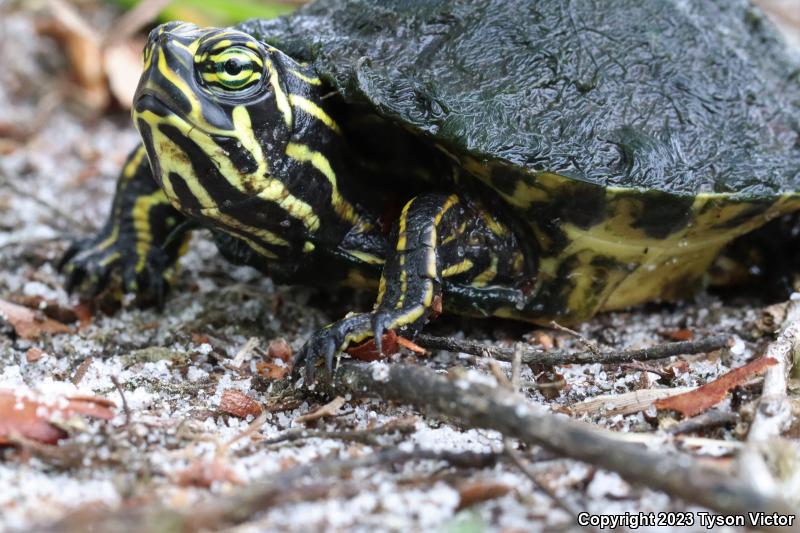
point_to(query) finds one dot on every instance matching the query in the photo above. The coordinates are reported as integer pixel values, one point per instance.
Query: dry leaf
(21, 414)
(678, 335)
(238, 404)
(52, 309)
(204, 473)
(33, 355)
(391, 343)
(85, 312)
(367, 351)
(82, 44)
(543, 339)
(329, 409)
(279, 349)
(271, 370)
(123, 67)
(550, 384)
(27, 323)
(695, 402)
(474, 492)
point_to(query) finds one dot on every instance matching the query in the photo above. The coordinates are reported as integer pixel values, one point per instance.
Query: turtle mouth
(199, 171)
(156, 108)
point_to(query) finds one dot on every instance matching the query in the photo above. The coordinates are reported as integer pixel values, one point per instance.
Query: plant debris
(702, 398)
(22, 414)
(237, 403)
(329, 409)
(29, 324)
(212, 432)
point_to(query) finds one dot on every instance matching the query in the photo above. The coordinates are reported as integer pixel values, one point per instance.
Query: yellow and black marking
(133, 240)
(606, 248)
(217, 111)
(243, 140)
(432, 251)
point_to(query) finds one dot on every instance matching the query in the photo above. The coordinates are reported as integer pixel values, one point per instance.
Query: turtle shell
(636, 138)
(662, 95)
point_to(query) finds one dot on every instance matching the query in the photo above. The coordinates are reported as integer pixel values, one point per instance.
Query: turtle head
(237, 136)
(209, 110)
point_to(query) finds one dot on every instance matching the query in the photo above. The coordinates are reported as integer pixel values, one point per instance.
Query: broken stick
(774, 412)
(478, 406)
(531, 356)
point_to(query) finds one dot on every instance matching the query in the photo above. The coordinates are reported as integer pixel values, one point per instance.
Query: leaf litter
(180, 371)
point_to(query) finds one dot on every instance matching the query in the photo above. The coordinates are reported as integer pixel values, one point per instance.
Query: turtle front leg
(140, 240)
(443, 244)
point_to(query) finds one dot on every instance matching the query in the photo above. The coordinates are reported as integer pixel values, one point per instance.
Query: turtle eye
(233, 69)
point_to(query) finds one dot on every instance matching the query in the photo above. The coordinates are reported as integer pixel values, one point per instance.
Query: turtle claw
(74, 248)
(327, 343)
(90, 265)
(380, 323)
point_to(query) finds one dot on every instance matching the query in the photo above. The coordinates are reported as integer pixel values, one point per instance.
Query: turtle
(538, 161)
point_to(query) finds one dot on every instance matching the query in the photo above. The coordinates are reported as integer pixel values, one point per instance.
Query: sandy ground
(173, 366)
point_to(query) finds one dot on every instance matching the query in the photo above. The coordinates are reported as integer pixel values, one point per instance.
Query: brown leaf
(238, 404)
(82, 46)
(85, 312)
(203, 473)
(474, 492)
(271, 370)
(27, 323)
(695, 402)
(367, 351)
(411, 345)
(391, 343)
(678, 334)
(279, 349)
(52, 309)
(33, 355)
(22, 414)
(436, 306)
(123, 67)
(200, 338)
(550, 384)
(542, 338)
(329, 409)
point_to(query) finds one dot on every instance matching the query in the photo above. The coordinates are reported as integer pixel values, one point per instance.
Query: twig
(254, 426)
(516, 368)
(282, 487)
(125, 407)
(244, 352)
(709, 419)
(80, 372)
(774, 412)
(592, 347)
(540, 484)
(532, 356)
(477, 406)
(366, 436)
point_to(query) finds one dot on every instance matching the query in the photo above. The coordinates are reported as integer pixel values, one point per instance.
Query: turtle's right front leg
(140, 240)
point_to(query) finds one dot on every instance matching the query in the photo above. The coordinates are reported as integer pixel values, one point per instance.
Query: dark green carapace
(531, 160)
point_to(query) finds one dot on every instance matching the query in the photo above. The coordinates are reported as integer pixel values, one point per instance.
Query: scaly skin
(132, 242)
(255, 155)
